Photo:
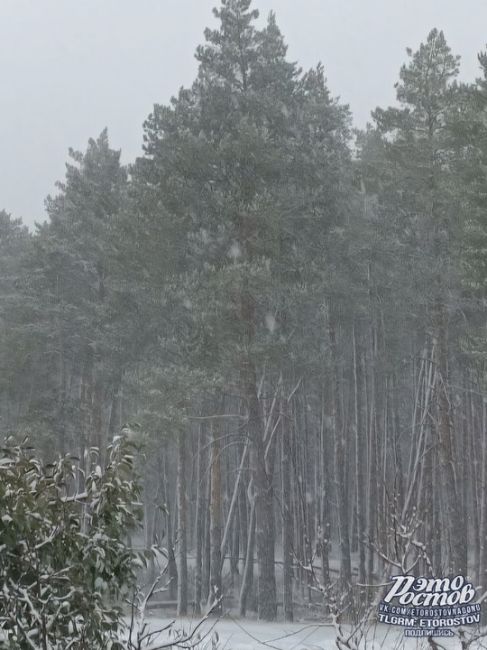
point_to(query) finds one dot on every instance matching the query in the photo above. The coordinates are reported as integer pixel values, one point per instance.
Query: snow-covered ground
(243, 634)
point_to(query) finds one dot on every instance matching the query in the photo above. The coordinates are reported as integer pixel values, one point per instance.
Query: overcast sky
(68, 68)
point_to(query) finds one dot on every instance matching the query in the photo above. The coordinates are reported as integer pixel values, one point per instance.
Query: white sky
(68, 68)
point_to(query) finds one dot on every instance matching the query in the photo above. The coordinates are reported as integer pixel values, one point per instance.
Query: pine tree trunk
(182, 532)
(248, 574)
(234, 502)
(205, 592)
(264, 519)
(483, 507)
(243, 516)
(446, 456)
(262, 483)
(326, 489)
(360, 459)
(340, 468)
(199, 525)
(215, 520)
(473, 481)
(172, 564)
(372, 485)
(287, 522)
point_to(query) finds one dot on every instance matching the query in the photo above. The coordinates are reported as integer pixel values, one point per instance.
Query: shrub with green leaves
(65, 564)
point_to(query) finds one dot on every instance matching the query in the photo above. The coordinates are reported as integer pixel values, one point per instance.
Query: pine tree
(76, 276)
(17, 346)
(420, 149)
(233, 176)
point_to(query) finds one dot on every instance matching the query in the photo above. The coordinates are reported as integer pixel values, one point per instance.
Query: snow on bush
(64, 559)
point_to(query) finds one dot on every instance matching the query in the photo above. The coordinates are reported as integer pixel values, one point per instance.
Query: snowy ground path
(244, 634)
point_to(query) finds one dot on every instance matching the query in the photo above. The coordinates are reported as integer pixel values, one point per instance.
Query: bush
(64, 560)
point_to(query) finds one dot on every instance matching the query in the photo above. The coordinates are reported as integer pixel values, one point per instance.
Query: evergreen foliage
(293, 312)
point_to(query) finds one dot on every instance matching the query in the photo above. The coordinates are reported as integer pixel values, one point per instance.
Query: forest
(285, 313)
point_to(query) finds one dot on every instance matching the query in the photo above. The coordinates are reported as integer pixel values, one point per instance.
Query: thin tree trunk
(326, 490)
(340, 459)
(205, 593)
(182, 532)
(483, 518)
(233, 502)
(248, 574)
(199, 524)
(287, 522)
(360, 459)
(172, 564)
(215, 520)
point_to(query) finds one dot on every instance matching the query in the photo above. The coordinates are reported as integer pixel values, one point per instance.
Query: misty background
(287, 323)
(68, 69)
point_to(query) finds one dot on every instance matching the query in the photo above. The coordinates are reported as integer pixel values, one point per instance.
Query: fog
(243, 380)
